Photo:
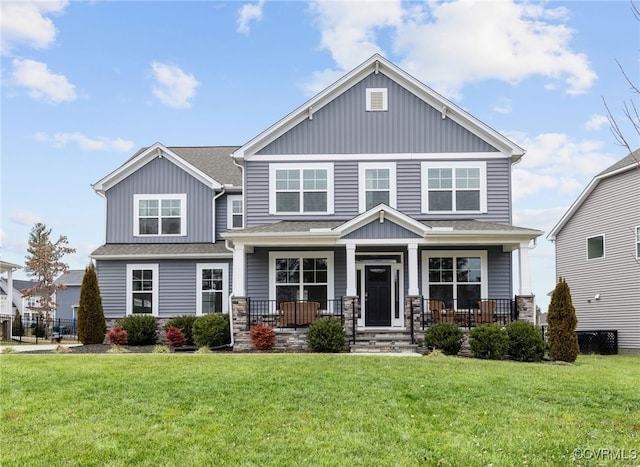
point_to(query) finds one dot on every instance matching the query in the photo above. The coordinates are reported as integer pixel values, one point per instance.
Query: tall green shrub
(141, 329)
(326, 335)
(91, 323)
(562, 321)
(211, 330)
(489, 341)
(525, 342)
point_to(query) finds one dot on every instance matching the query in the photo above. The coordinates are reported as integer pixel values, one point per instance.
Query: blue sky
(85, 84)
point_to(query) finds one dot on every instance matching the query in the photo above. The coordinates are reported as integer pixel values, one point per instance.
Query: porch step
(380, 342)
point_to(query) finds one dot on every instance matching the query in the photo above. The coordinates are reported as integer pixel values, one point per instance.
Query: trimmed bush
(525, 342)
(489, 341)
(562, 320)
(184, 322)
(175, 336)
(326, 335)
(446, 337)
(263, 336)
(141, 329)
(117, 336)
(211, 330)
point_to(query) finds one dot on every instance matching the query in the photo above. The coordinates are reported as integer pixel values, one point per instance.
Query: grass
(303, 409)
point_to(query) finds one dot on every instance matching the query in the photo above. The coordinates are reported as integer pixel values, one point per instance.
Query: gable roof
(379, 64)
(71, 277)
(631, 161)
(210, 164)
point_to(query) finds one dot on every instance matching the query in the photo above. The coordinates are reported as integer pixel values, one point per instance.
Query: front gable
(381, 230)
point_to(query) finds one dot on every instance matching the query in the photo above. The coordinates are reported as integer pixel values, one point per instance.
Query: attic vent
(376, 99)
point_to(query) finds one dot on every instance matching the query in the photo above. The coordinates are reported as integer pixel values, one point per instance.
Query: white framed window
(458, 278)
(301, 188)
(637, 242)
(212, 288)
(376, 184)
(377, 100)
(235, 212)
(142, 289)
(595, 247)
(301, 276)
(454, 187)
(160, 215)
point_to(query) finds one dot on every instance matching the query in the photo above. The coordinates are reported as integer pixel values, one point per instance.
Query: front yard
(305, 409)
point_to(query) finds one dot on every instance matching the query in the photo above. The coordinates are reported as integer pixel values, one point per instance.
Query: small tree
(562, 321)
(91, 323)
(16, 328)
(44, 263)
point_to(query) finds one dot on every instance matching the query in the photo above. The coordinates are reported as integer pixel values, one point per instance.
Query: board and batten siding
(176, 288)
(612, 209)
(159, 176)
(409, 126)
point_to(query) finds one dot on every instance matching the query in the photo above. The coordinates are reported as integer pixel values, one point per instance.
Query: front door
(377, 296)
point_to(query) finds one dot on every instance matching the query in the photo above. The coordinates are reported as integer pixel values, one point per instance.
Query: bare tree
(44, 264)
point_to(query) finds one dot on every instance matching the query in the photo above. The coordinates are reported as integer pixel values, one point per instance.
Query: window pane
(439, 178)
(468, 269)
(148, 226)
(317, 293)
(467, 178)
(440, 201)
(286, 293)
(287, 180)
(142, 302)
(595, 247)
(170, 207)
(315, 179)
(236, 206)
(237, 221)
(287, 202)
(376, 197)
(468, 295)
(315, 201)
(467, 201)
(442, 292)
(148, 207)
(171, 226)
(377, 179)
(288, 271)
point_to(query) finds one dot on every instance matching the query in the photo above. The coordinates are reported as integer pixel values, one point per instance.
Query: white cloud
(173, 87)
(42, 83)
(595, 122)
(248, 13)
(85, 143)
(502, 106)
(26, 22)
(24, 217)
(503, 40)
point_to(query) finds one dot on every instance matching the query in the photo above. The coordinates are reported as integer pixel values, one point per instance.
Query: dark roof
(71, 277)
(215, 161)
(631, 159)
(161, 249)
(23, 285)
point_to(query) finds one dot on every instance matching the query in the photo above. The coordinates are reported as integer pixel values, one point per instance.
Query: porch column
(525, 269)
(413, 269)
(351, 270)
(239, 268)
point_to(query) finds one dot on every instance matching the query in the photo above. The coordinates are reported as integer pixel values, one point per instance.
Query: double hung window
(301, 190)
(142, 293)
(235, 212)
(377, 184)
(301, 276)
(212, 286)
(159, 215)
(454, 187)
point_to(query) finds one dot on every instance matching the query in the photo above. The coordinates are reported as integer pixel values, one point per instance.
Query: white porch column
(351, 270)
(239, 270)
(413, 269)
(525, 269)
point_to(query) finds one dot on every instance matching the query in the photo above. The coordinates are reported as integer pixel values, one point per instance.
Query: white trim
(484, 268)
(377, 157)
(586, 244)
(385, 99)
(182, 197)
(426, 165)
(273, 255)
(155, 269)
(360, 265)
(637, 242)
(362, 190)
(225, 285)
(230, 213)
(301, 167)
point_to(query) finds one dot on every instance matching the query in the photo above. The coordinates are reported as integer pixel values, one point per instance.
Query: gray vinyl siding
(177, 286)
(382, 230)
(66, 299)
(409, 192)
(409, 126)
(612, 209)
(159, 176)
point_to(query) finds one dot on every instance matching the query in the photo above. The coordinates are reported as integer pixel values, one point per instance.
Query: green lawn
(304, 409)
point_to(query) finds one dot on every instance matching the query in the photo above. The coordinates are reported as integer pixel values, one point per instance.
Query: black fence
(468, 313)
(598, 342)
(38, 329)
(292, 315)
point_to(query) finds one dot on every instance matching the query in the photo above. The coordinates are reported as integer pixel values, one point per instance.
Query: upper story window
(595, 247)
(377, 100)
(301, 189)
(377, 184)
(235, 212)
(157, 215)
(456, 187)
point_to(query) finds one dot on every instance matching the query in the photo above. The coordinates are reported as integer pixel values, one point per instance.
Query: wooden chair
(299, 313)
(486, 312)
(440, 314)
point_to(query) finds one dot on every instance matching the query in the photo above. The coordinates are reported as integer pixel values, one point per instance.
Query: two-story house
(378, 202)
(597, 244)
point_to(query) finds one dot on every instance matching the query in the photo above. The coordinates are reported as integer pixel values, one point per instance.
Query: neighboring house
(8, 295)
(372, 202)
(67, 298)
(597, 245)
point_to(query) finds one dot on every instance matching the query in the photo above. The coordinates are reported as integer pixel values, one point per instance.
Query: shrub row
(519, 340)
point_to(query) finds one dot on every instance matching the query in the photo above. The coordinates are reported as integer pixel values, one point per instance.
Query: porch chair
(440, 314)
(299, 313)
(486, 312)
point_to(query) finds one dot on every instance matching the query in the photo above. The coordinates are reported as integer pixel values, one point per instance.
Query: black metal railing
(292, 315)
(467, 313)
(37, 329)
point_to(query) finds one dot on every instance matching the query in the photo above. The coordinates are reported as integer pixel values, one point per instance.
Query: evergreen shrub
(489, 341)
(91, 323)
(446, 337)
(184, 322)
(141, 329)
(562, 321)
(525, 342)
(326, 335)
(211, 330)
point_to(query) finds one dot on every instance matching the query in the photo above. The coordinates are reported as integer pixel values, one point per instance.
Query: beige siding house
(598, 253)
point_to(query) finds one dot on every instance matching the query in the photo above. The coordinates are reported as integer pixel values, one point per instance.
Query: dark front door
(378, 296)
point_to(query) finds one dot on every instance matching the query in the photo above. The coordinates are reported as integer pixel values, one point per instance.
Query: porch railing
(467, 313)
(292, 315)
